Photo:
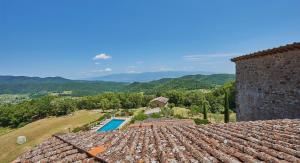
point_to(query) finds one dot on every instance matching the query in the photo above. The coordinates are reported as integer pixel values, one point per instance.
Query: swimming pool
(111, 125)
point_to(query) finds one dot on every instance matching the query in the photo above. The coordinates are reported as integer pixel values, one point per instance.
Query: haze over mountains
(145, 76)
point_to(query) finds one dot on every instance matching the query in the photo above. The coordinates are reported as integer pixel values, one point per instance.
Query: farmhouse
(268, 84)
(159, 102)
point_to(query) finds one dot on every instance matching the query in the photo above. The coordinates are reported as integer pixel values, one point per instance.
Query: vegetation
(18, 115)
(226, 105)
(167, 112)
(205, 103)
(199, 121)
(180, 112)
(56, 85)
(155, 115)
(42, 86)
(199, 97)
(5, 130)
(13, 99)
(139, 117)
(190, 82)
(40, 130)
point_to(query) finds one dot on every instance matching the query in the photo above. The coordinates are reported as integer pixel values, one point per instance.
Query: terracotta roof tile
(281, 49)
(161, 99)
(257, 141)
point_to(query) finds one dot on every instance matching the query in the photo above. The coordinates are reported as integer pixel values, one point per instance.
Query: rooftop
(257, 141)
(281, 49)
(161, 99)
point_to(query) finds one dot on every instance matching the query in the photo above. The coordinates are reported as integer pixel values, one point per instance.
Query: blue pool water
(111, 125)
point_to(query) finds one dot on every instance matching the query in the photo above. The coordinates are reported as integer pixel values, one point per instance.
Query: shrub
(195, 110)
(155, 115)
(181, 111)
(199, 121)
(139, 117)
(178, 116)
(81, 128)
(171, 105)
(167, 112)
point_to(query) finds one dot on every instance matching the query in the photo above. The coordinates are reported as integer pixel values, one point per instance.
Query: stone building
(159, 102)
(268, 84)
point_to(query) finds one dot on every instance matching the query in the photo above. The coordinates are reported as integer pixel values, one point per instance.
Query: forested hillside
(17, 115)
(190, 82)
(35, 85)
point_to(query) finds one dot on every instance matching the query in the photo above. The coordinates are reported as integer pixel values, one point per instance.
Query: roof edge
(79, 149)
(280, 49)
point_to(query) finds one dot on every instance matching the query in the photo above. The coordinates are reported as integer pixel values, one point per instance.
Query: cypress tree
(204, 111)
(226, 106)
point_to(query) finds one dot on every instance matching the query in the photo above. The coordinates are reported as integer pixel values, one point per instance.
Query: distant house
(159, 102)
(268, 84)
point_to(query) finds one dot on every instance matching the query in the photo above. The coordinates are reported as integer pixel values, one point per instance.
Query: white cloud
(102, 70)
(131, 72)
(108, 69)
(102, 56)
(96, 63)
(139, 62)
(201, 57)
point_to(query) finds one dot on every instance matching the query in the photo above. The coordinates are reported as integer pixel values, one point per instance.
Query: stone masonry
(268, 84)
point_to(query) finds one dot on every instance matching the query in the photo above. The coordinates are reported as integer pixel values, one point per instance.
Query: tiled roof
(281, 49)
(162, 122)
(161, 99)
(257, 141)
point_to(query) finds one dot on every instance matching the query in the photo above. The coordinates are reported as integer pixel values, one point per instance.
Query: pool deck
(103, 123)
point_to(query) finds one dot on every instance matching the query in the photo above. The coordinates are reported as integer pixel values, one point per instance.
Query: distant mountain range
(145, 76)
(36, 85)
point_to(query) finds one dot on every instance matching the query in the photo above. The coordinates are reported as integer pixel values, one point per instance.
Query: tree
(226, 106)
(205, 109)
(205, 105)
(194, 110)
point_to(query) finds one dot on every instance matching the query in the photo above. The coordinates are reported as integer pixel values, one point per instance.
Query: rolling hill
(36, 85)
(145, 76)
(189, 82)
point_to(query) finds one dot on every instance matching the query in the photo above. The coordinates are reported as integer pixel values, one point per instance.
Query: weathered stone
(268, 86)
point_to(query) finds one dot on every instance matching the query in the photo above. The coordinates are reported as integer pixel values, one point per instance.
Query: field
(4, 130)
(40, 130)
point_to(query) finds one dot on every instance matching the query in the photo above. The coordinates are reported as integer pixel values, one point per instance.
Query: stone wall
(268, 87)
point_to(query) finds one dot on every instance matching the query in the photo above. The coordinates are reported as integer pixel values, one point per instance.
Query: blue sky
(63, 37)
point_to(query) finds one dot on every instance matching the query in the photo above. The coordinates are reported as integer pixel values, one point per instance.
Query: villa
(257, 141)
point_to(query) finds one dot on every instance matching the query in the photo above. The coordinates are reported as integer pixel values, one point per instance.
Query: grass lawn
(5, 130)
(40, 130)
(217, 117)
(181, 111)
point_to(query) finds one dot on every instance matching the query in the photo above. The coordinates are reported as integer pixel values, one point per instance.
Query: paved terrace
(257, 141)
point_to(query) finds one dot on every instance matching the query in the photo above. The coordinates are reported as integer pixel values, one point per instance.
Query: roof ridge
(79, 149)
(284, 48)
